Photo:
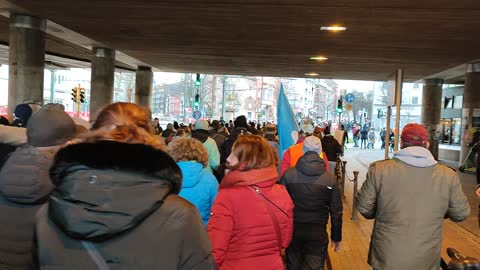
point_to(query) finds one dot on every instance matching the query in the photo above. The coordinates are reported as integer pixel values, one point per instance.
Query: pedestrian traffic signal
(82, 95)
(74, 94)
(196, 103)
(340, 105)
(198, 82)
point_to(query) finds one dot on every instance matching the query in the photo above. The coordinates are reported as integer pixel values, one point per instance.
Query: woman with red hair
(252, 217)
(115, 202)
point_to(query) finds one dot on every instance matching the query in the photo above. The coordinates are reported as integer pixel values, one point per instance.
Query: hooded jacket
(241, 226)
(121, 197)
(315, 194)
(409, 196)
(293, 154)
(24, 185)
(198, 187)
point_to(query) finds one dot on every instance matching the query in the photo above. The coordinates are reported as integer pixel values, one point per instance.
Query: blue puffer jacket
(199, 187)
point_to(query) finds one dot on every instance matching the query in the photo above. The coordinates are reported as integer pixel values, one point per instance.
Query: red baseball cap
(415, 134)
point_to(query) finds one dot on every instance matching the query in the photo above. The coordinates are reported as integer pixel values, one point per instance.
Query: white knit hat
(312, 143)
(201, 124)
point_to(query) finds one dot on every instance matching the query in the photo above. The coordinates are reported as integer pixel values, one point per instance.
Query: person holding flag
(288, 135)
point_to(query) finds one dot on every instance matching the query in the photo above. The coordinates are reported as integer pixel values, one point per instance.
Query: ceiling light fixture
(333, 28)
(311, 74)
(319, 58)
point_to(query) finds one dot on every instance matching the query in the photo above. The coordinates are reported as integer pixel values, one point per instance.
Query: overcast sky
(363, 86)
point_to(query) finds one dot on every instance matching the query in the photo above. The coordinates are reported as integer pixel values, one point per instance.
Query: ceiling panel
(276, 37)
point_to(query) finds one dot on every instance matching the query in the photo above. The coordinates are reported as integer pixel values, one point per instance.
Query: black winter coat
(230, 141)
(331, 147)
(122, 198)
(316, 196)
(24, 185)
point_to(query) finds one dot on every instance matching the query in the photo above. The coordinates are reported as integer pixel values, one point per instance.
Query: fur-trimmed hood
(105, 188)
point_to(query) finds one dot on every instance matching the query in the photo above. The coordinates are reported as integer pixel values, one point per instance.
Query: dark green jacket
(122, 198)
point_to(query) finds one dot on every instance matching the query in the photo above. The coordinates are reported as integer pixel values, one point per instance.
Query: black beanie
(240, 121)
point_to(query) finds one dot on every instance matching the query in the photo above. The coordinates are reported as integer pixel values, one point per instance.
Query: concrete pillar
(103, 69)
(143, 87)
(26, 60)
(471, 106)
(431, 110)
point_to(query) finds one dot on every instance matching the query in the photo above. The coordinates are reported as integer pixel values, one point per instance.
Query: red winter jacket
(241, 229)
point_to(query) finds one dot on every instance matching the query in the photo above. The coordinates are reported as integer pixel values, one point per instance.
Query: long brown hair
(124, 122)
(253, 152)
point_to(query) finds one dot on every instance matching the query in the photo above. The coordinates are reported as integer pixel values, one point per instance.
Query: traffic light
(82, 95)
(198, 82)
(74, 94)
(196, 103)
(340, 105)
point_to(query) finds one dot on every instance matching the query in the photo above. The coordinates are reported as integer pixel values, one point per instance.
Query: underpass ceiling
(59, 52)
(277, 37)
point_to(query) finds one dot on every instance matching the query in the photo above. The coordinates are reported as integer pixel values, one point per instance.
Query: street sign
(197, 115)
(349, 98)
(348, 107)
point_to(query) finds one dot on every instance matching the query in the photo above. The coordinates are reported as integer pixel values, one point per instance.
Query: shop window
(458, 102)
(448, 102)
(450, 132)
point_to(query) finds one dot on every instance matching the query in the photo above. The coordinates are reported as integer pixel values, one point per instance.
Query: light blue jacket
(198, 187)
(213, 155)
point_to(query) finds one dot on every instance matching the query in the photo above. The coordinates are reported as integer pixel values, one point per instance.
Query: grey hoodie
(416, 156)
(24, 185)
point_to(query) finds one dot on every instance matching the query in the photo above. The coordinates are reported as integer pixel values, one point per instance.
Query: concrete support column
(103, 69)
(143, 87)
(471, 106)
(431, 109)
(26, 60)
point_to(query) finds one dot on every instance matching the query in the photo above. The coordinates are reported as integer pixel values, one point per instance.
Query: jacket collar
(250, 177)
(416, 156)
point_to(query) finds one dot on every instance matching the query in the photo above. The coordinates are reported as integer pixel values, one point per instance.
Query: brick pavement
(356, 235)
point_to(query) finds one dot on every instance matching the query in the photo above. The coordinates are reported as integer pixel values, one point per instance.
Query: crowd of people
(125, 194)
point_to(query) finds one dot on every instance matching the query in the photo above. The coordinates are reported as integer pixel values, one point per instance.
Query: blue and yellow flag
(286, 122)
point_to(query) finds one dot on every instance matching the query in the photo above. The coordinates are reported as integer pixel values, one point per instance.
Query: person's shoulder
(445, 169)
(210, 142)
(177, 206)
(208, 178)
(290, 173)
(382, 163)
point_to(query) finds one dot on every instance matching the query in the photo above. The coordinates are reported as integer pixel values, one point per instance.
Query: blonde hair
(124, 122)
(253, 152)
(187, 149)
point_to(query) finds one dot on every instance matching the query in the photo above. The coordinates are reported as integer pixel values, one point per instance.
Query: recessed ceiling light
(333, 28)
(311, 74)
(320, 58)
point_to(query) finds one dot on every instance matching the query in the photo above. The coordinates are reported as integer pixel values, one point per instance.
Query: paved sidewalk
(356, 235)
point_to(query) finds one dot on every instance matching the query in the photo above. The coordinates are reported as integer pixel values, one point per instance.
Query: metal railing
(354, 198)
(340, 172)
